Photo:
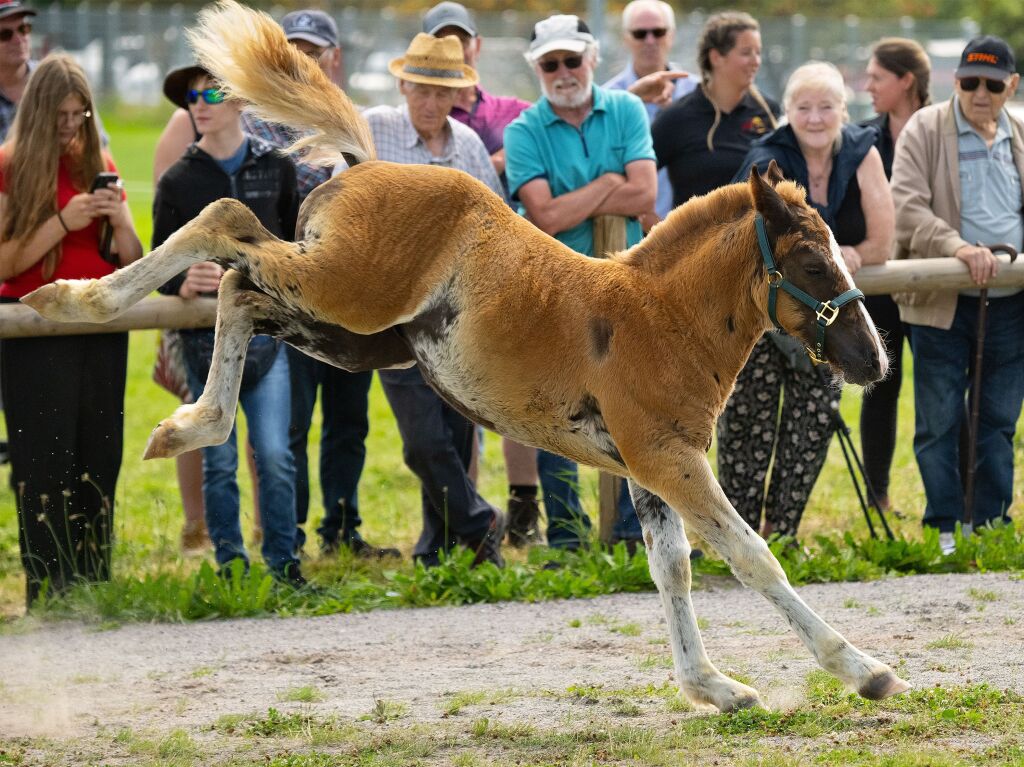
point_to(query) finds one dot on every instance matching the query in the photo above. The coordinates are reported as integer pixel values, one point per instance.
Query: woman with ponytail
(898, 75)
(63, 395)
(703, 138)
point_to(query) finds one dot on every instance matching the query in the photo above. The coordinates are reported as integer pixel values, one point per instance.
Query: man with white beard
(580, 152)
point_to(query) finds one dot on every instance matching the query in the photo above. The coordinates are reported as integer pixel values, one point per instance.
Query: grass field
(148, 513)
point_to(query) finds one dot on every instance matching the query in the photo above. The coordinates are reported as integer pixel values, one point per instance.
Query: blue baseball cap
(312, 26)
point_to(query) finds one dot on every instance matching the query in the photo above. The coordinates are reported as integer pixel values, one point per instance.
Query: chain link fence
(127, 49)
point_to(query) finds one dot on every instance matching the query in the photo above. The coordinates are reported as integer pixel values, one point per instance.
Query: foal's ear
(773, 175)
(768, 202)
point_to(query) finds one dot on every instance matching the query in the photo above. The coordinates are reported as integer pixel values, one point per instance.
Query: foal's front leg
(700, 499)
(209, 421)
(668, 553)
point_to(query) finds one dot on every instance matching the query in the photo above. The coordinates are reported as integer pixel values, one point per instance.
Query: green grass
(974, 725)
(152, 581)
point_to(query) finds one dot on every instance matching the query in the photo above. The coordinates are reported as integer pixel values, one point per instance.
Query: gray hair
(635, 6)
(815, 75)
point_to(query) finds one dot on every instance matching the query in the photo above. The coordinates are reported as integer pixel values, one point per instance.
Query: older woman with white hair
(839, 166)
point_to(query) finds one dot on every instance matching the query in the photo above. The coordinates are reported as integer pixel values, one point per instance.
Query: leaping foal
(621, 363)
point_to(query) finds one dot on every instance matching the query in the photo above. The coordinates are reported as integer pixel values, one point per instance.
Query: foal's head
(829, 319)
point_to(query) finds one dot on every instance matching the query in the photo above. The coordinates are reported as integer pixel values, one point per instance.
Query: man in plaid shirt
(344, 396)
(437, 441)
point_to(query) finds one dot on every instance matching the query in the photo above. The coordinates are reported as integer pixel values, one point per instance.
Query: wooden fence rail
(17, 321)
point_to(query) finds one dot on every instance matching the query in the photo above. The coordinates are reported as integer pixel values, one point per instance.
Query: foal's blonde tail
(247, 52)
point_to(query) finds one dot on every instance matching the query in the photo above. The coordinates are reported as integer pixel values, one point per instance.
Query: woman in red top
(63, 395)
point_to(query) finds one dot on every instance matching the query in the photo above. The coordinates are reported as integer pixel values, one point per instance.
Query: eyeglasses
(74, 118)
(993, 86)
(209, 95)
(24, 29)
(641, 34)
(551, 65)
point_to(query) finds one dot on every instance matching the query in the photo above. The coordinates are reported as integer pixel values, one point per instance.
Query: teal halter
(825, 311)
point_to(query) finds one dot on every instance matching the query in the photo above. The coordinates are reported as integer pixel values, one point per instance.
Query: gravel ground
(66, 680)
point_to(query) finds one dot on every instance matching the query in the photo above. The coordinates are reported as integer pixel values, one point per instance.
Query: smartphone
(102, 179)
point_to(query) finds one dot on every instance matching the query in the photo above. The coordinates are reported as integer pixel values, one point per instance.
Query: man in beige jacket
(958, 184)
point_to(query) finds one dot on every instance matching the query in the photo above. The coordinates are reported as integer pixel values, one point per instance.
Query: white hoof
(73, 301)
(723, 693)
(188, 429)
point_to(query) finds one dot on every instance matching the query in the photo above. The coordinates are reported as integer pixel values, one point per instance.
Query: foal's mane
(709, 223)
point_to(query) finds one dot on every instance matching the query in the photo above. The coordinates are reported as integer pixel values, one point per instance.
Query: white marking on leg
(209, 421)
(717, 522)
(668, 553)
(104, 299)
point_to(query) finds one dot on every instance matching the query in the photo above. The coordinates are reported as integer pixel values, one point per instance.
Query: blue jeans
(568, 526)
(942, 377)
(344, 404)
(267, 409)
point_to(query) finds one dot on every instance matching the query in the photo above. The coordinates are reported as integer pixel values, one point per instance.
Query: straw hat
(434, 61)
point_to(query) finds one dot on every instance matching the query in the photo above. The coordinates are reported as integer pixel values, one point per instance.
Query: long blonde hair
(32, 151)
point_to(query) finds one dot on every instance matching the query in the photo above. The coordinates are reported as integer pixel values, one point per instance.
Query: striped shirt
(309, 177)
(990, 190)
(397, 141)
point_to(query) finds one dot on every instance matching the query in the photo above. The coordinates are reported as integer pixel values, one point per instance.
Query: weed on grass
(305, 694)
(384, 711)
(949, 642)
(179, 596)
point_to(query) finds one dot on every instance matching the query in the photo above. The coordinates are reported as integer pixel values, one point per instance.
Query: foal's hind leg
(668, 553)
(104, 299)
(703, 504)
(220, 233)
(209, 421)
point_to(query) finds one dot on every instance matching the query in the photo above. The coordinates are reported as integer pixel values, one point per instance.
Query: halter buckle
(774, 279)
(827, 313)
(815, 359)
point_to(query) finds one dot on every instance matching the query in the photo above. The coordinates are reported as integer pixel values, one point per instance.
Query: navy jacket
(781, 145)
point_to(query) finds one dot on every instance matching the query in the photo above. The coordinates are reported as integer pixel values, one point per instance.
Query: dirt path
(65, 681)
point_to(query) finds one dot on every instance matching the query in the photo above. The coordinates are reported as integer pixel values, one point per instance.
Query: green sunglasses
(209, 95)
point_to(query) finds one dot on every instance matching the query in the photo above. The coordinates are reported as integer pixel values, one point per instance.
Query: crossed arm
(631, 194)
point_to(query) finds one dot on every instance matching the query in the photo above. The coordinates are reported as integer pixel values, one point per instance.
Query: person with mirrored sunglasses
(227, 163)
(958, 186)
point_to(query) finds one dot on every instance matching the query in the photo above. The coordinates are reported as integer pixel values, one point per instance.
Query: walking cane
(972, 430)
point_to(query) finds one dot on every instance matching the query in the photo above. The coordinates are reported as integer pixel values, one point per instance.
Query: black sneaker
(488, 548)
(523, 521)
(292, 577)
(359, 546)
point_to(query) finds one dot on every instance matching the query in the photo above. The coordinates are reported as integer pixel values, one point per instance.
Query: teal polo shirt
(540, 144)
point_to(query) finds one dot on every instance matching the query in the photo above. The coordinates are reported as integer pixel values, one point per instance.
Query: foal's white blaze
(837, 257)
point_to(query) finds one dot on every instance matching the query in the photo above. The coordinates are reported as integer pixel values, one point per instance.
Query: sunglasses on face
(551, 65)
(209, 95)
(972, 83)
(641, 34)
(24, 30)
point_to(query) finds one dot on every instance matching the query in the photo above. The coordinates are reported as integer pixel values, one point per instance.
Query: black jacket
(265, 183)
